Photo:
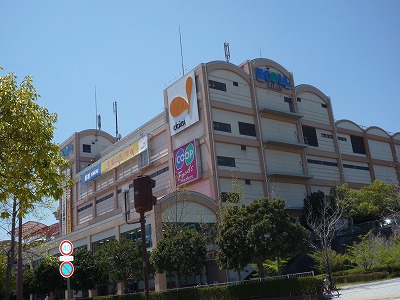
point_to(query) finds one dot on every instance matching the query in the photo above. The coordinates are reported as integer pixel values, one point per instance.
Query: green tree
(231, 239)
(272, 233)
(3, 268)
(337, 260)
(322, 214)
(31, 285)
(86, 273)
(374, 201)
(29, 161)
(181, 252)
(48, 278)
(364, 253)
(121, 260)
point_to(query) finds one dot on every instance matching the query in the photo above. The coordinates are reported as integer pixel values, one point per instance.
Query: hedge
(242, 291)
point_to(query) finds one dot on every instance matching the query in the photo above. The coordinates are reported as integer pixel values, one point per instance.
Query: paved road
(385, 289)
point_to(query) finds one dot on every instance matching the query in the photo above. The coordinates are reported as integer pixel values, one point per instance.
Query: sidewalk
(385, 289)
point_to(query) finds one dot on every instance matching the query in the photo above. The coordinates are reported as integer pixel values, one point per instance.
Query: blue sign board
(67, 150)
(91, 174)
(276, 80)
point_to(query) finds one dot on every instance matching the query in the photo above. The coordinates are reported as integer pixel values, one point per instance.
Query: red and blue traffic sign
(66, 248)
(66, 269)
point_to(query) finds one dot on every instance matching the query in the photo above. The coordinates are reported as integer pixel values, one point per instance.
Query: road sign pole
(144, 256)
(68, 288)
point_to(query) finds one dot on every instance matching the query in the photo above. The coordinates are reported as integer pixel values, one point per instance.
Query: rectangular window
(324, 105)
(247, 181)
(243, 147)
(357, 142)
(87, 148)
(229, 197)
(321, 162)
(310, 136)
(328, 136)
(247, 129)
(341, 138)
(235, 83)
(226, 161)
(355, 167)
(217, 85)
(289, 101)
(298, 99)
(219, 126)
(104, 198)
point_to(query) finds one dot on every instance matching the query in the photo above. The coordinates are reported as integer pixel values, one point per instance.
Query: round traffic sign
(66, 269)
(66, 247)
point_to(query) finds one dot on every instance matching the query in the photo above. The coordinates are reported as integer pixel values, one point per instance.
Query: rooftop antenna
(95, 104)
(180, 43)
(99, 122)
(227, 52)
(97, 116)
(115, 109)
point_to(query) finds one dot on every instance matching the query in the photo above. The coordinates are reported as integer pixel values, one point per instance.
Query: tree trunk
(328, 265)
(178, 280)
(239, 276)
(20, 272)
(261, 271)
(11, 252)
(278, 262)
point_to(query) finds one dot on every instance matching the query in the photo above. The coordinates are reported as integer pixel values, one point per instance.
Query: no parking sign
(66, 267)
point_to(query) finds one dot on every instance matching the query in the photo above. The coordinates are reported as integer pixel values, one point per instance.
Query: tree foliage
(373, 201)
(181, 252)
(257, 232)
(47, 278)
(231, 239)
(120, 260)
(29, 160)
(86, 274)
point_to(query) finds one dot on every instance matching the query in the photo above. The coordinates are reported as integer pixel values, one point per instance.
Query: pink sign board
(186, 163)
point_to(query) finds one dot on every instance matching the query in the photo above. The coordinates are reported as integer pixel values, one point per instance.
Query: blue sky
(129, 49)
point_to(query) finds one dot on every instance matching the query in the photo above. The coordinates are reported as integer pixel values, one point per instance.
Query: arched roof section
(396, 136)
(375, 130)
(187, 207)
(347, 124)
(270, 63)
(306, 88)
(223, 65)
(98, 132)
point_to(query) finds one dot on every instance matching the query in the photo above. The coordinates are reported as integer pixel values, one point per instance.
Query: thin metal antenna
(115, 109)
(180, 43)
(260, 54)
(95, 103)
(227, 52)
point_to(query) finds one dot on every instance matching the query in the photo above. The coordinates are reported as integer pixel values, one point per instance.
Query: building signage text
(186, 163)
(275, 81)
(91, 174)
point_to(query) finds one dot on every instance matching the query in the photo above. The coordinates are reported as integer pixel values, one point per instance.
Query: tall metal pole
(68, 288)
(144, 257)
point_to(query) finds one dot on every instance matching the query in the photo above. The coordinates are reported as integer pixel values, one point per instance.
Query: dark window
(310, 136)
(163, 170)
(298, 99)
(357, 142)
(219, 126)
(247, 129)
(243, 147)
(135, 234)
(324, 105)
(85, 207)
(328, 136)
(217, 85)
(87, 148)
(229, 197)
(321, 162)
(226, 161)
(289, 101)
(341, 138)
(247, 181)
(235, 83)
(355, 167)
(104, 198)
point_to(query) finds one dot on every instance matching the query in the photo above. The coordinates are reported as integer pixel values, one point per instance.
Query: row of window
(220, 86)
(244, 128)
(310, 137)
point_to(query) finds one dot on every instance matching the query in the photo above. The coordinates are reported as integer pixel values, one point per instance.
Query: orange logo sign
(179, 104)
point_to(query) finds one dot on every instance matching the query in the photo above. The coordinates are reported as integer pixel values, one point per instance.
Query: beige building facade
(221, 121)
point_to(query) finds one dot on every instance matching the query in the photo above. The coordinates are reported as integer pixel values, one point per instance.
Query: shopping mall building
(221, 121)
